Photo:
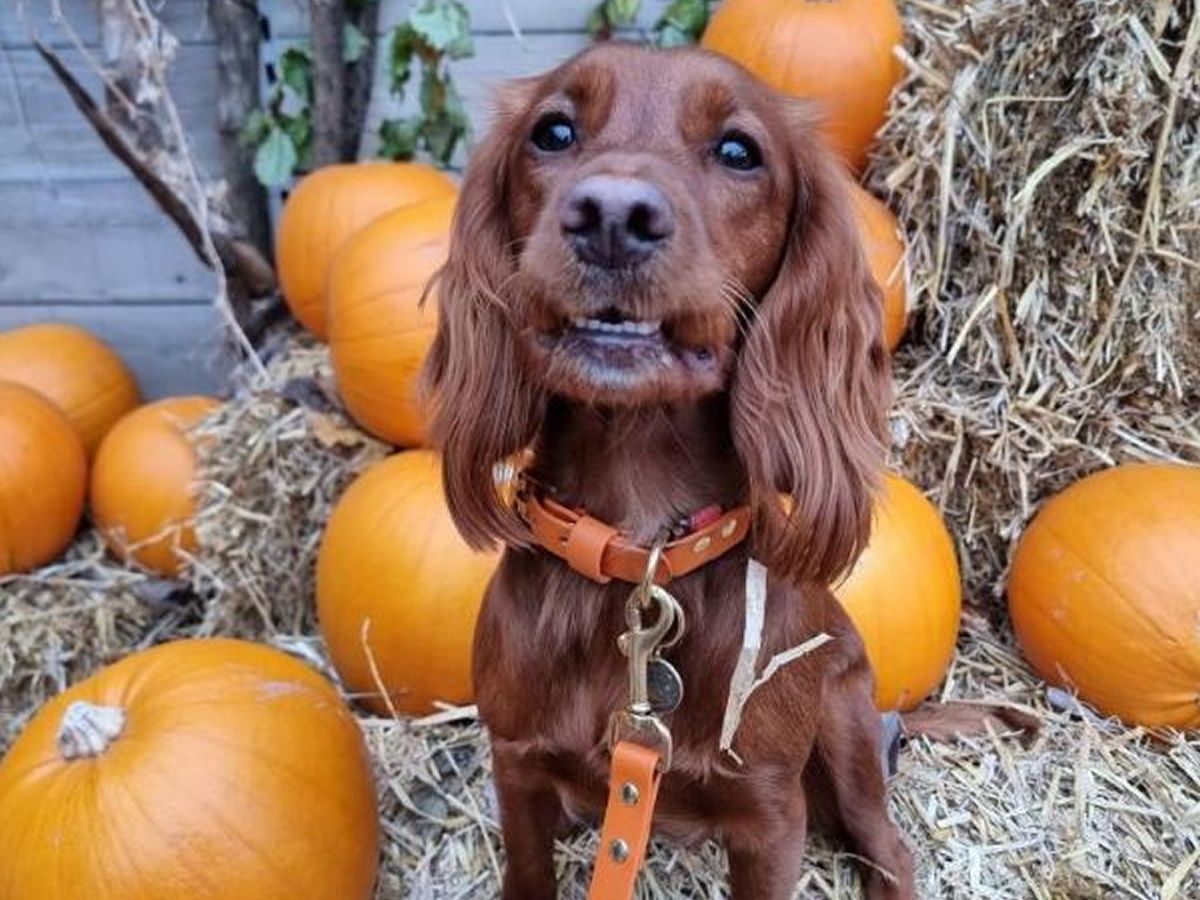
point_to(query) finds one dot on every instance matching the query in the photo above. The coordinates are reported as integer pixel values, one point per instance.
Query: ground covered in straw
(1043, 160)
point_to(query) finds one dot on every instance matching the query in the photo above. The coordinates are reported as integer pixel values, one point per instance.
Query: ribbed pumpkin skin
(74, 369)
(1105, 593)
(905, 596)
(391, 554)
(880, 233)
(329, 206)
(43, 479)
(142, 483)
(239, 774)
(378, 334)
(835, 52)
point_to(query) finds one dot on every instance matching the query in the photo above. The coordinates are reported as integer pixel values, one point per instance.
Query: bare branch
(329, 80)
(236, 26)
(360, 78)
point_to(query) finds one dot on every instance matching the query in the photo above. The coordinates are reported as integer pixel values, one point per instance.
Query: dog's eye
(738, 151)
(553, 133)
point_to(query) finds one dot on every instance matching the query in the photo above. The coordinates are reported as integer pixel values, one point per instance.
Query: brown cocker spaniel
(655, 288)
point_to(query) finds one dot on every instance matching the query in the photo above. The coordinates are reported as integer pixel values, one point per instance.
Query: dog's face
(649, 204)
(642, 228)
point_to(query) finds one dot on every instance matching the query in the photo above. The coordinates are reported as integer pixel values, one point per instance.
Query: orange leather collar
(599, 551)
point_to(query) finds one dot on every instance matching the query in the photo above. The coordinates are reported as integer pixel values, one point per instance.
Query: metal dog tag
(664, 687)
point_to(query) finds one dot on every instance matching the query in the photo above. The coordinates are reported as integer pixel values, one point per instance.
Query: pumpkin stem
(88, 730)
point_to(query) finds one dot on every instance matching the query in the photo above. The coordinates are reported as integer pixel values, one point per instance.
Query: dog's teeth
(626, 327)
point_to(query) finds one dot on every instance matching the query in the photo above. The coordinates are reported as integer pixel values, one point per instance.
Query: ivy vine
(681, 23)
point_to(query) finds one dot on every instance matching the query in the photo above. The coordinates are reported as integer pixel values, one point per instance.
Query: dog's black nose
(614, 221)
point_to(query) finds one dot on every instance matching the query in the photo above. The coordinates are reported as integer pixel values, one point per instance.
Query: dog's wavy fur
(769, 274)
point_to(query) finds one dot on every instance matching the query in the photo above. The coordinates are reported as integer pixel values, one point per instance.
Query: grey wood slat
(92, 242)
(171, 348)
(43, 136)
(186, 19)
(23, 20)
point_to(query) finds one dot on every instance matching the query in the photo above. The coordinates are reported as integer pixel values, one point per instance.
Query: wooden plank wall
(80, 240)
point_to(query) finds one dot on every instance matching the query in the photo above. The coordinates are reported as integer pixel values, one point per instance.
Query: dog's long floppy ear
(812, 385)
(483, 407)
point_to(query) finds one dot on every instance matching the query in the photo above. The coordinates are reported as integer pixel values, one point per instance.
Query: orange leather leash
(632, 792)
(599, 551)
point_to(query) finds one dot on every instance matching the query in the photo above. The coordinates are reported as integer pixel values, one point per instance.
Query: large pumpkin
(198, 770)
(396, 585)
(329, 206)
(884, 248)
(43, 479)
(905, 597)
(76, 370)
(839, 53)
(378, 332)
(143, 484)
(1105, 593)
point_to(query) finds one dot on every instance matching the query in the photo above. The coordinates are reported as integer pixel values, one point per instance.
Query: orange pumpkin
(904, 596)
(1105, 593)
(396, 583)
(43, 479)
(838, 53)
(142, 484)
(75, 370)
(378, 332)
(203, 769)
(329, 206)
(884, 248)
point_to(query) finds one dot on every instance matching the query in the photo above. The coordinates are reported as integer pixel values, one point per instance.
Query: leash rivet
(618, 850)
(701, 545)
(729, 529)
(630, 794)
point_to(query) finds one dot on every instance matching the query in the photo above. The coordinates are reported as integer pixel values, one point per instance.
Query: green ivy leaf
(597, 24)
(609, 15)
(623, 12)
(300, 129)
(295, 67)
(276, 159)
(354, 43)
(445, 25)
(686, 18)
(398, 137)
(404, 45)
(255, 130)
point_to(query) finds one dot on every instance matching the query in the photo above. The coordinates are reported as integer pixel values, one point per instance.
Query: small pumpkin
(379, 333)
(143, 478)
(201, 769)
(325, 209)
(1104, 593)
(838, 53)
(904, 595)
(75, 370)
(884, 249)
(398, 587)
(43, 479)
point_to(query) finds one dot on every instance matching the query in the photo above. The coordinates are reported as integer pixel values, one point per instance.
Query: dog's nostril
(646, 222)
(581, 215)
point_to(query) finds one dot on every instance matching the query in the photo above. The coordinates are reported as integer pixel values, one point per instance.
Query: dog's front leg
(530, 810)
(767, 866)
